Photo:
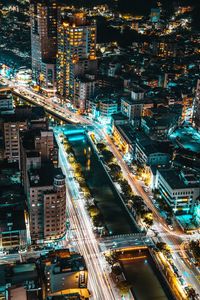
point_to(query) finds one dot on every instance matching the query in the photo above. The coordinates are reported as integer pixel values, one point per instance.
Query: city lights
(99, 150)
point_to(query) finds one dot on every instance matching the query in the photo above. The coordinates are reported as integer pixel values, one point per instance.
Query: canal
(115, 216)
(146, 281)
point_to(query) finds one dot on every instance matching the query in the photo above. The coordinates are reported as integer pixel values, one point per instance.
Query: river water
(115, 216)
(145, 279)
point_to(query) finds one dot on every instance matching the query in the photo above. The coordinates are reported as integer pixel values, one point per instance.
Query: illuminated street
(100, 150)
(173, 239)
(99, 281)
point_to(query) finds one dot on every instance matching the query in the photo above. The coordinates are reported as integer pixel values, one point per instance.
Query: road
(174, 239)
(83, 238)
(87, 244)
(10, 258)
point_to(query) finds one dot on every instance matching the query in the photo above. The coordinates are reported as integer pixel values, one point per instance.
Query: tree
(126, 189)
(86, 192)
(82, 182)
(140, 170)
(195, 247)
(163, 247)
(124, 287)
(115, 170)
(101, 146)
(94, 211)
(112, 258)
(71, 159)
(192, 293)
(116, 270)
(138, 205)
(148, 221)
(108, 156)
(97, 220)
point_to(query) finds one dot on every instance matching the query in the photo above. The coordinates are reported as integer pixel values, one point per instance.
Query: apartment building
(13, 125)
(44, 185)
(76, 53)
(47, 203)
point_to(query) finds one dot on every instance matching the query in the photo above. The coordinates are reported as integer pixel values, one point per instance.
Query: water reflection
(146, 284)
(116, 218)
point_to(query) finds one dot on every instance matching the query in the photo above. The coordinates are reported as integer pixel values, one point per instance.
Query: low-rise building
(132, 109)
(161, 122)
(180, 189)
(108, 107)
(20, 281)
(124, 136)
(118, 119)
(64, 274)
(151, 153)
(14, 223)
(103, 108)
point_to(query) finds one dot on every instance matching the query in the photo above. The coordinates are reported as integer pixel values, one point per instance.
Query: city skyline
(99, 150)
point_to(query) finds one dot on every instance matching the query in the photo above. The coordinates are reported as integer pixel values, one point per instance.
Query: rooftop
(119, 117)
(146, 100)
(186, 137)
(24, 113)
(176, 180)
(43, 176)
(28, 137)
(9, 175)
(150, 146)
(127, 131)
(20, 273)
(64, 269)
(11, 220)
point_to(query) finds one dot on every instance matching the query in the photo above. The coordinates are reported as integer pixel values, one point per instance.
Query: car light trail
(87, 245)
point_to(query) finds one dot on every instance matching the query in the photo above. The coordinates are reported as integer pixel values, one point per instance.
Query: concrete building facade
(196, 107)
(178, 188)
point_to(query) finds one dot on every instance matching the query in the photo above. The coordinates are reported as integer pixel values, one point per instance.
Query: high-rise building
(44, 16)
(44, 185)
(84, 88)
(14, 123)
(37, 146)
(196, 107)
(76, 53)
(47, 203)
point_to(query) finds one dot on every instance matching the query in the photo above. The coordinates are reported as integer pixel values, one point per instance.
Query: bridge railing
(125, 236)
